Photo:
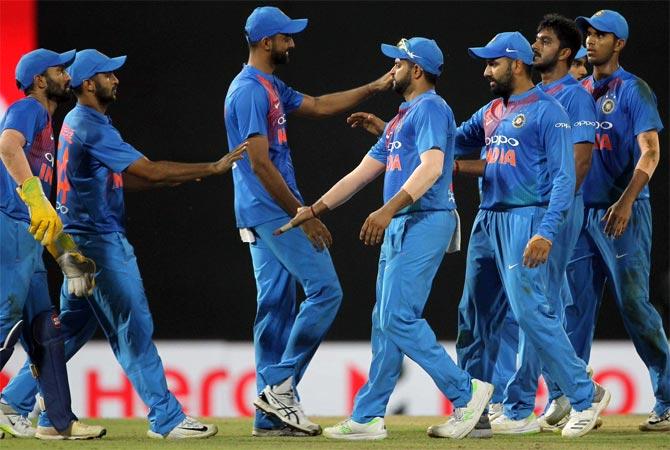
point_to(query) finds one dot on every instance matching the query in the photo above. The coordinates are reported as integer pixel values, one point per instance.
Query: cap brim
(393, 52)
(583, 23)
(484, 53)
(581, 53)
(112, 65)
(294, 26)
(66, 58)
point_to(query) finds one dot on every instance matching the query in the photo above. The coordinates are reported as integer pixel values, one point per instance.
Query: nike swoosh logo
(512, 266)
(276, 105)
(194, 429)
(509, 50)
(488, 122)
(620, 256)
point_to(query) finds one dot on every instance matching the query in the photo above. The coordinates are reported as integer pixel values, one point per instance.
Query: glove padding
(79, 272)
(45, 224)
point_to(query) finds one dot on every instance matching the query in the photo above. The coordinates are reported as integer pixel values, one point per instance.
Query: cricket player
(95, 164)
(578, 67)
(27, 223)
(266, 196)
(557, 40)
(527, 190)
(416, 224)
(615, 244)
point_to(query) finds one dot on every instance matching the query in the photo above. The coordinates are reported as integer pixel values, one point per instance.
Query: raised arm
(338, 102)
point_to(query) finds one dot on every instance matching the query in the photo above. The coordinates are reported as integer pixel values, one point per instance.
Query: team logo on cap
(608, 106)
(519, 121)
(599, 13)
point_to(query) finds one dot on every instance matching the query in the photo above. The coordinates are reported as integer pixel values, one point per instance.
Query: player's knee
(394, 324)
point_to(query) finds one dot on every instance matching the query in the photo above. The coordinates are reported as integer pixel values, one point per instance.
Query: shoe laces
(19, 421)
(190, 422)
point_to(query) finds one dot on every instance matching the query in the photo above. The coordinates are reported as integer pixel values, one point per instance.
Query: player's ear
(619, 45)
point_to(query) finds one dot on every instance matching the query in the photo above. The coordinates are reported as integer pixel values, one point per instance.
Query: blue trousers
(413, 248)
(119, 305)
(495, 265)
(505, 364)
(286, 337)
(623, 264)
(519, 399)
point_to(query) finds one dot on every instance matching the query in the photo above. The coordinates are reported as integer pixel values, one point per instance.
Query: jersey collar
(617, 73)
(405, 105)
(564, 80)
(92, 112)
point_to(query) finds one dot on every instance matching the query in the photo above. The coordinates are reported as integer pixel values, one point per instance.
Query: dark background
(181, 59)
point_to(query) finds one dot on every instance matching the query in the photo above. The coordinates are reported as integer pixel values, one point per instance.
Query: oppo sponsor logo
(562, 125)
(597, 125)
(395, 145)
(501, 139)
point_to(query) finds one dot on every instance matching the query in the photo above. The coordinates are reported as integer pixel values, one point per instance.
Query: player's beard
(400, 85)
(503, 85)
(104, 96)
(546, 66)
(56, 92)
(279, 58)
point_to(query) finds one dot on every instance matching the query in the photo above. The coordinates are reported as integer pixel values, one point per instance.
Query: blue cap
(89, 62)
(605, 20)
(37, 61)
(581, 53)
(510, 44)
(421, 51)
(266, 21)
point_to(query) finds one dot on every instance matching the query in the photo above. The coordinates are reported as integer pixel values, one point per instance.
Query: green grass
(618, 432)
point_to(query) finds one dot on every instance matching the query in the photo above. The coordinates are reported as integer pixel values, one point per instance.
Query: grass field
(617, 432)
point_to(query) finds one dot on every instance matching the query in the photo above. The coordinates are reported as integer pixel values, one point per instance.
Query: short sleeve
(582, 113)
(107, 146)
(251, 108)
(643, 108)
(290, 98)
(432, 127)
(25, 117)
(470, 135)
(378, 151)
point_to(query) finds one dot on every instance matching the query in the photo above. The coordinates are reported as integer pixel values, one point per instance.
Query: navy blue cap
(266, 21)
(421, 51)
(581, 53)
(605, 20)
(90, 62)
(37, 61)
(510, 44)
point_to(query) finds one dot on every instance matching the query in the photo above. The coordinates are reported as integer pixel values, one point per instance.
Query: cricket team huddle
(563, 167)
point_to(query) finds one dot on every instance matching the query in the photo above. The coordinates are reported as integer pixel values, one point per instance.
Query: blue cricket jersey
(424, 123)
(32, 120)
(625, 107)
(257, 104)
(91, 158)
(579, 106)
(529, 155)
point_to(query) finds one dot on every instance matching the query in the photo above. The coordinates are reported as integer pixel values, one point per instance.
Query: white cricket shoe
(482, 430)
(506, 425)
(464, 420)
(279, 400)
(581, 422)
(656, 423)
(189, 428)
(495, 411)
(556, 416)
(76, 431)
(14, 423)
(353, 431)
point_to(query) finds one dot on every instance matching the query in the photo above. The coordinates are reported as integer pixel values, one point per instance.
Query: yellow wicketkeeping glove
(45, 224)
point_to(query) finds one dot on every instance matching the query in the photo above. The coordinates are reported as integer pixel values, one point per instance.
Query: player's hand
(304, 214)
(79, 273)
(372, 232)
(616, 218)
(369, 122)
(224, 164)
(383, 83)
(45, 224)
(536, 252)
(317, 232)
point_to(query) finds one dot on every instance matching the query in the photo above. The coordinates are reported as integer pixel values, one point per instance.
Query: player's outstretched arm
(368, 121)
(421, 179)
(617, 216)
(44, 221)
(343, 190)
(473, 167)
(169, 172)
(338, 102)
